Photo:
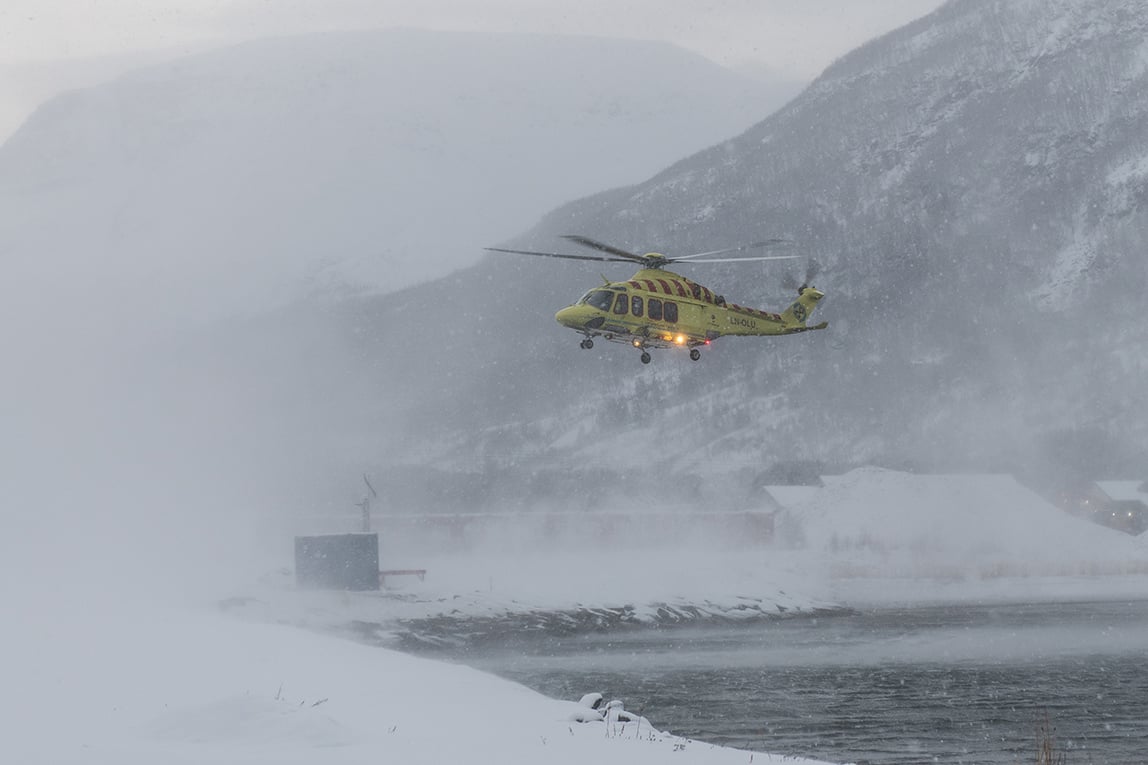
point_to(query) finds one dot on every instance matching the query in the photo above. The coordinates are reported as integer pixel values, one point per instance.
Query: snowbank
(118, 684)
(872, 521)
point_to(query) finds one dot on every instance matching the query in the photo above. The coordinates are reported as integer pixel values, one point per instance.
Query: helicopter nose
(568, 316)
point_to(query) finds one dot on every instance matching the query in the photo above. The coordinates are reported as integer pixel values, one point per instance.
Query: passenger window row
(656, 308)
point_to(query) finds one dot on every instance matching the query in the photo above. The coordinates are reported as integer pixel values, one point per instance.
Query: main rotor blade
(588, 242)
(812, 270)
(765, 243)
(559, 255)
(740, 260)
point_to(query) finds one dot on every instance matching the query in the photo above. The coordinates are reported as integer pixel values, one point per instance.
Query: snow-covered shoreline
(132, 683)
(469, 596)
(259, 676)
(198, 664)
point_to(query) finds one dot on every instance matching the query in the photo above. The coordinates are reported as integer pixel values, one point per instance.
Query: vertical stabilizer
(802, 308)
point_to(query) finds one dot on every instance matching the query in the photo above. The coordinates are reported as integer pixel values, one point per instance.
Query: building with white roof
(1122, 505)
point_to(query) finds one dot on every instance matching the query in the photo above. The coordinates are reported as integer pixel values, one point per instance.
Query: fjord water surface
(949, 684)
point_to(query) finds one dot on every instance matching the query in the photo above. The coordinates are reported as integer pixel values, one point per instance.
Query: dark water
(967, 684)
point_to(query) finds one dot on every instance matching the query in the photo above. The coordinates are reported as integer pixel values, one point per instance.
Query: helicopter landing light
(680, 339)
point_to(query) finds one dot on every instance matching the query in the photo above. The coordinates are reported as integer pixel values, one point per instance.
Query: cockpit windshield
(600, 299)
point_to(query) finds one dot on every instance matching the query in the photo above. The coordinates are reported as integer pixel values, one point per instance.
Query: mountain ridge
(976, 188)
(176, 241)
(971, 183)
(356, 161)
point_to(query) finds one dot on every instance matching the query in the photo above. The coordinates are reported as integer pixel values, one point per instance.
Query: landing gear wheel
(695, 354)
(645, 358)
(587, 344)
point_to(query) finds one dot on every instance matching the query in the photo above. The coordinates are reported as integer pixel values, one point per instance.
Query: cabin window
(600, 299)
(636, 306)
(670, 311)
(622, 304)
(655, 309)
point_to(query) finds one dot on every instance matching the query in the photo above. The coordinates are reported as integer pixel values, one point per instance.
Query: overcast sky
(51, 45)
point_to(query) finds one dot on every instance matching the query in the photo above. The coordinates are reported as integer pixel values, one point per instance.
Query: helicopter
(657, 308)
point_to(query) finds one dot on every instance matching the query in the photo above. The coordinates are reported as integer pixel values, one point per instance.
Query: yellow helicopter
(656, 308)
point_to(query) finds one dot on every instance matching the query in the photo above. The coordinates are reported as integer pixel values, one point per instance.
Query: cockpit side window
(622, 304)
(600, 299)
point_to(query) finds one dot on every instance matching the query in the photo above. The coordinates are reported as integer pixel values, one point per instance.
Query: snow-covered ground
(101, 680)
(610, 589)
(100, 666)
(870, 536)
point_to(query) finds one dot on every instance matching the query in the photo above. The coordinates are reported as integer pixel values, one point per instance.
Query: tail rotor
(789, 281)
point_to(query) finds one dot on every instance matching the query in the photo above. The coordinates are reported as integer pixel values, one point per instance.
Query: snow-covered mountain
(237, 180)
(973, 186)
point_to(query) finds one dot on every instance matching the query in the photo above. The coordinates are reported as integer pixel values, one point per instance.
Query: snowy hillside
(972, 186)
(240, 179)
(943, 175)
(235, 182)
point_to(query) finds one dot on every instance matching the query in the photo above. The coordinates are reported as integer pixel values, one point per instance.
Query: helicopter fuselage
(657, 308)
